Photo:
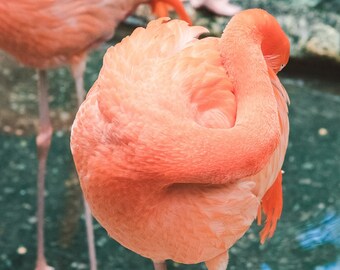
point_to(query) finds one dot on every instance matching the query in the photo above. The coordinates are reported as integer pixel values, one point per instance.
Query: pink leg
(159, 265)
(78, 68)
(220, 262)
(43, 144)
(90, 236)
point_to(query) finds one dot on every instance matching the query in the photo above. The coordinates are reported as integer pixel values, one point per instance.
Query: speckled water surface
(308, 234)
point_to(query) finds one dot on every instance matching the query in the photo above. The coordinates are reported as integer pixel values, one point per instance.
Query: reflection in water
(330, 266)
(265, 266)
(326, 232)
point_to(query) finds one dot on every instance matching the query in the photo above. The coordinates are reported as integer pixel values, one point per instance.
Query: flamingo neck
(222, 155)
(257, 131)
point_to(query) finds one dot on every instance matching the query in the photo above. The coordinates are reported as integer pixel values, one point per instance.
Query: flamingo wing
(194, 84)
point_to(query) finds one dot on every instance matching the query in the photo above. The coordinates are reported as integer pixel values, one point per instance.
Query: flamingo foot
(220, 262)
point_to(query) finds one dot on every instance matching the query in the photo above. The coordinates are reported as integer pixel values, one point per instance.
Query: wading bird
(47, 34)
(219, 7)
(180, 142)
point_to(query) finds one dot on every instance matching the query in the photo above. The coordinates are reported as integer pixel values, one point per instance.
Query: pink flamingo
(180, 142)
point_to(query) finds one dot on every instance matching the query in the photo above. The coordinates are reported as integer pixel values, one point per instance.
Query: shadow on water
(308, 233)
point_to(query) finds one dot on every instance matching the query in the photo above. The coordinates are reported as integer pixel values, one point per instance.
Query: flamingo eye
(282, 66)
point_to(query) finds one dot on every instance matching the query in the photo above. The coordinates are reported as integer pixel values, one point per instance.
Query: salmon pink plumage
(180, 141)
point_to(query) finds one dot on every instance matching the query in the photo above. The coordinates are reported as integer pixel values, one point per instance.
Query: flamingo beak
(161, 9)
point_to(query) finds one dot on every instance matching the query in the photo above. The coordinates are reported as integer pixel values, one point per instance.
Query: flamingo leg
(90, 236)
(220, 262)
(43, 142)
(78, 69)
(159, 265)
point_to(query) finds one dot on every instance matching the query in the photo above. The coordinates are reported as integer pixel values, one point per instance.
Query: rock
(324, 41)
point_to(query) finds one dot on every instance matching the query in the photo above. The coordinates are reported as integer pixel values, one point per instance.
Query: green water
(308, 234)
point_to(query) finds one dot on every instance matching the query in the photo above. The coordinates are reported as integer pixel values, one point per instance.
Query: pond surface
(308, 234)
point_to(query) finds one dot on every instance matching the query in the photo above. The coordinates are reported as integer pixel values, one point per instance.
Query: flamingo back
(175, 74)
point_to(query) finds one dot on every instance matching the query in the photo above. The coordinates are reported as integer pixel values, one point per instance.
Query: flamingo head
(275, 45)
(266, 31)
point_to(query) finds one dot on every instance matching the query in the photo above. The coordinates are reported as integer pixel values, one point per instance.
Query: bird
(48, 34)
(180, 142)
(219, 7)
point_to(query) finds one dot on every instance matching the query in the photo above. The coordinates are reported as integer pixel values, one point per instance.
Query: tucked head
(275, 44)
(264, 27)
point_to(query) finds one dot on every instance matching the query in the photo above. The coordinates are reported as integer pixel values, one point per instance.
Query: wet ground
(307, 237)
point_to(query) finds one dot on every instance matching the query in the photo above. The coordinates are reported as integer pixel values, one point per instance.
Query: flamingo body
(56, 32)
(174, 149)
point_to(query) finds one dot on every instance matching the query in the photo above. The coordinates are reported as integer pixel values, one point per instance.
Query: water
(308, 234)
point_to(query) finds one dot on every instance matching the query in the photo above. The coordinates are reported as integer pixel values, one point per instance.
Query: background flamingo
(180, 141)
(219, 7)
(176, 154)
(46, 34)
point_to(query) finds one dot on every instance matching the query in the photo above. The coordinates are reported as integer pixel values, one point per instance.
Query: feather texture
(158, 147)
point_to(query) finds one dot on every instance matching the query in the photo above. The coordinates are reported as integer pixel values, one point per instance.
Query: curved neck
(243, 60)
(222, 155)
(256, 134)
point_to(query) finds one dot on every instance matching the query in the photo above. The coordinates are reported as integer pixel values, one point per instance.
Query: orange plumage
(180, 139)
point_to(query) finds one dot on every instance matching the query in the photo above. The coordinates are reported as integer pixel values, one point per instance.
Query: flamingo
(179, 143)
(47, 34)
